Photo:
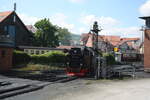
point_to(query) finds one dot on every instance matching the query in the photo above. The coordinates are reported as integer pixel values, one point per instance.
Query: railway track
(52, 78)
(9, 89)
(67, 79)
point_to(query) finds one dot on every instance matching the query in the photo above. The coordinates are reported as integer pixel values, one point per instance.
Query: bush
(52, 57)
(19, 57)
(110, 59)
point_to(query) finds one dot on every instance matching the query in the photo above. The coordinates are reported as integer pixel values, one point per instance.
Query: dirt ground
(83, 89)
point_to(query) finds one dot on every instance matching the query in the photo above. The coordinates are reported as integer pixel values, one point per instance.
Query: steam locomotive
(85, 60)
(81, 61)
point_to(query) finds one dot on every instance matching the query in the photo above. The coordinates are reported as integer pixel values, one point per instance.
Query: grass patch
(38, 67)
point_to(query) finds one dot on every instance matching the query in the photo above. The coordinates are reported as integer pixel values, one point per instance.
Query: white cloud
(60, 19)
(123, 32)
(28, 20)
(109, 25)
(103, 21)
(145, 8)
(82, 30)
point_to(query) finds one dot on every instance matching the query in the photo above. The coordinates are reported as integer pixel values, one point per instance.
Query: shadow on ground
(49, 76)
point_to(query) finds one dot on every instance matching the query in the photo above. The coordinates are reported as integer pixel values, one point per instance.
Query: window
(3, 53)
(37, 52)
(43, 52)
(32, 52)
(26, 51)
(11, 30)
(5, 28)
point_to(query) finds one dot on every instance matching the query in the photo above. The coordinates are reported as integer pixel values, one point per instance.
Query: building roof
(31, 28)
(147, 21)
(84, 37)
(145, 17)
(89, 42)
(114, 40)
(65, 47)
(39, 48)
(4, 15)
(110, 38)
(130, 39)
(9, 14)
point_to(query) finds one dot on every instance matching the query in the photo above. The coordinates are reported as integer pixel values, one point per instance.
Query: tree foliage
(64, 36)
(49, 35)
(46, 34)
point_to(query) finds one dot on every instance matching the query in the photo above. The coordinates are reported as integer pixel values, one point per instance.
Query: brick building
(6, 52)
(13, 33)
(147, 43)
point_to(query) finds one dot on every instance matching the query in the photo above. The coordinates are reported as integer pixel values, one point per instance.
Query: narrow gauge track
(67, 79)
(52, 78)
(56, 79)
(48, 76)
(13, 89)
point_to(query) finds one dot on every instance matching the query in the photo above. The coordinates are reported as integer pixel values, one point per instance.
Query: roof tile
(4, 15)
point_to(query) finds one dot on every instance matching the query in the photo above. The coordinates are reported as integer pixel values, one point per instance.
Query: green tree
(46, 34)
(64, 36)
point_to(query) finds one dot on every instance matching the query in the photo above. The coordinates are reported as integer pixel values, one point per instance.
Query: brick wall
(147, 50)
(5, 58)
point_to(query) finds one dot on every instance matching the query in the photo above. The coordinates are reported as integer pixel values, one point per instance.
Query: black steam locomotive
(85, 60)
(81, 61)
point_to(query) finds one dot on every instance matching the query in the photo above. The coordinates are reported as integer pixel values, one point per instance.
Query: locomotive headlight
(81, 64)
(75, 51)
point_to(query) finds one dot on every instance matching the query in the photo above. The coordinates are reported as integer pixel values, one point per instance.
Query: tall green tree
(46, 34)
(64, 36)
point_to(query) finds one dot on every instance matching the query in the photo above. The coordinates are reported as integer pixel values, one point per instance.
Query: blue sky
(116, 17)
